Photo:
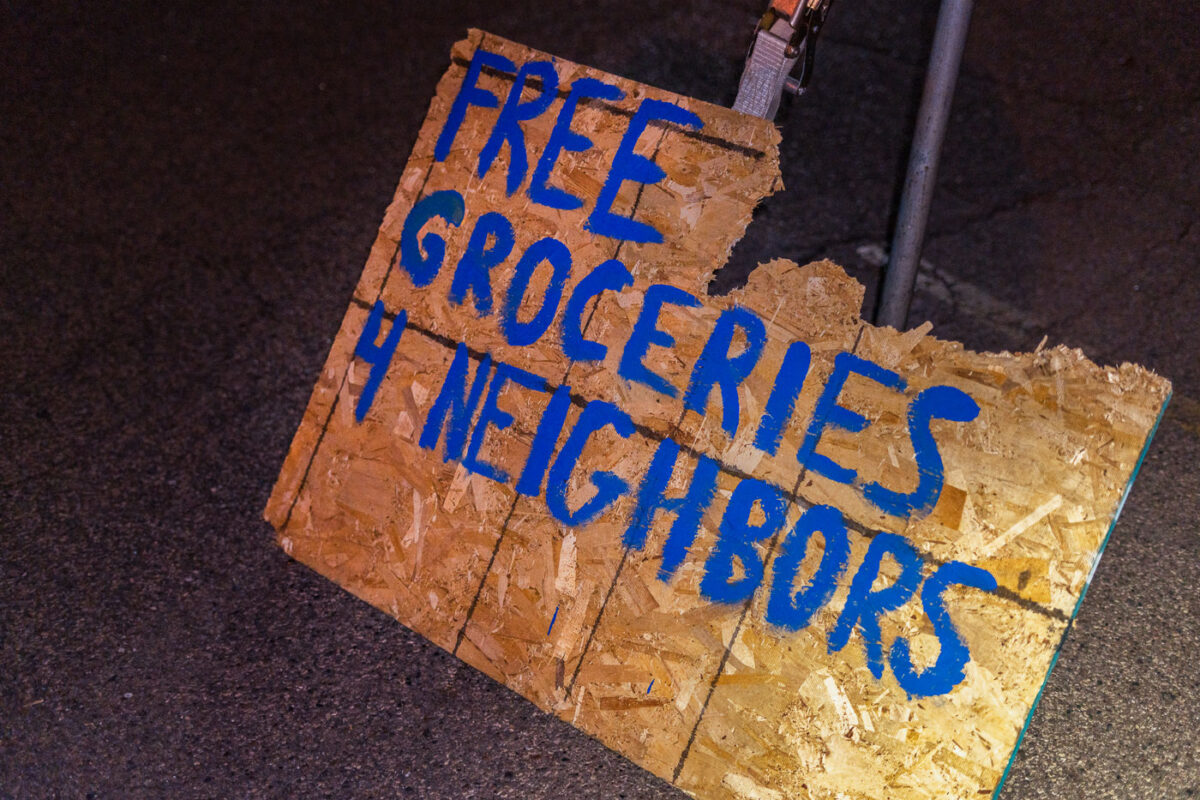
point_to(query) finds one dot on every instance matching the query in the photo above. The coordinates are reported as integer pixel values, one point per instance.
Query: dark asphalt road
(189, 193)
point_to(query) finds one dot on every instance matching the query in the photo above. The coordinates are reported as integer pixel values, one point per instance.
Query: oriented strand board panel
(757, 545)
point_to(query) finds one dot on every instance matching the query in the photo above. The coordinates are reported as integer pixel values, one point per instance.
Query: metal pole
(954, 17)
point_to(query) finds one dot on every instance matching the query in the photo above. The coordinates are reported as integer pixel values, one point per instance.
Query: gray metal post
(954, 17)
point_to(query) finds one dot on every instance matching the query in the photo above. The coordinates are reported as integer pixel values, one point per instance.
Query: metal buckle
(780, 42)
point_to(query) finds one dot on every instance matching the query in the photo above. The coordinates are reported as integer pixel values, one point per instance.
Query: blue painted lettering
(596, 415)
(454, 401)
(782, 402)
(737, 538)
(423, 258)
(629, 166)
(563, 138)
(716, 367)
(646, 332)
(550, 250)
(492, 416)
(829, 414)
(379, 356)
(688, 510)
(949, 669)
(508, 128)
(864, 607)
(473, 272)
(611, 274)
(936, 402)
(544, 440)
(470, 94)
(792, 608)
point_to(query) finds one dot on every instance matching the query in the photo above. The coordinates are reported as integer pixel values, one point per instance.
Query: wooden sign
(758, 546)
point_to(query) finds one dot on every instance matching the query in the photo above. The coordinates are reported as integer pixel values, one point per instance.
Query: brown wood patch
(725, 642)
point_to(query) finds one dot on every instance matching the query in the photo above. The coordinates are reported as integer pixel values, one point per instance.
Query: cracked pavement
(189, 192)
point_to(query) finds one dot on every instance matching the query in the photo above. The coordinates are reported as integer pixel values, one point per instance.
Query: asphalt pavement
(189, 191)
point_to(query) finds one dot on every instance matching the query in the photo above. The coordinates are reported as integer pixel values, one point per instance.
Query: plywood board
(757, 545)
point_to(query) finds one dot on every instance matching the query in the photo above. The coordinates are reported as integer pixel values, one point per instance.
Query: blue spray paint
(542, 450)
(716, 367)
(378, 356)
(646, 332)
(629, 166)
(936, 402)
(688, 510)
(512, 113)
(470, 94)
(737, 537)
(563, 138)
(794, 610)
(782, 402)
(864, 607)
(559, 257)
(611, 274)
(596, 415)
(454, 401)
(423, 259)
(949, 669)
(492, 416)
(473, 272)
(829, 414)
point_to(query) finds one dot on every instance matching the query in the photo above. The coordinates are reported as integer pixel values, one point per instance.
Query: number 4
(379, 356)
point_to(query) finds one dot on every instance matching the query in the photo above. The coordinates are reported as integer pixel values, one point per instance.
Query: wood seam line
(311, 457)
(342, 384)
(737, 629)
(611, 587)
(768, 559)
(637, 201)
(516, 497)
(615, 110)
(587, 645)
(462, 632)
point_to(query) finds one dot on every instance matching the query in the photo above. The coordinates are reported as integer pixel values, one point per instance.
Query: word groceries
(467, 407)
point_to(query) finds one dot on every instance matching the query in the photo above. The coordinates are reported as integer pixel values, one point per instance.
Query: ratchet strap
(786, 35)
